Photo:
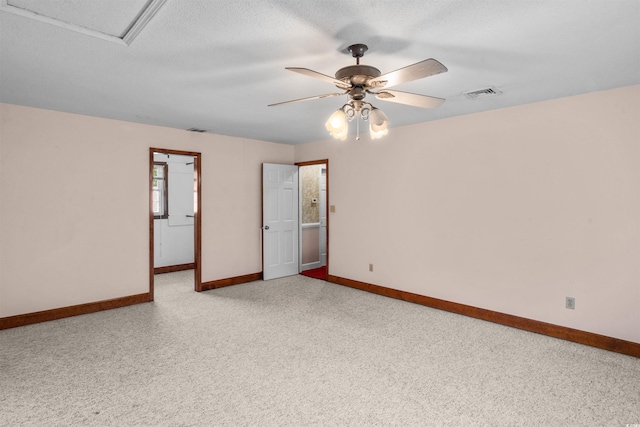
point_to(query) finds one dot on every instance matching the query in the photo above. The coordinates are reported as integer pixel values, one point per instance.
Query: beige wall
(310, 241)
(74, 224)
(510, 210)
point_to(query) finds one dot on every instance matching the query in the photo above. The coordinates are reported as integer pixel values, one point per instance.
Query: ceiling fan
(358, 80)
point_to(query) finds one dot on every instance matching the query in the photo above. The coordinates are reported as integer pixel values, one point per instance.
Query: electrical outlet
(370, 267)
(571, 303)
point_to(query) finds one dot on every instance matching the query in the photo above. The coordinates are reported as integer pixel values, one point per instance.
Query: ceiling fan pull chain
(357, 128)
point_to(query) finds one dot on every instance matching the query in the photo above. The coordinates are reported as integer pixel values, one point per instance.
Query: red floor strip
(316, 273)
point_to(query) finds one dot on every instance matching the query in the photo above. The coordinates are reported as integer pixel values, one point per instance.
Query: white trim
(147, 14)
(143, 19)
(310, 266)
(310, 225)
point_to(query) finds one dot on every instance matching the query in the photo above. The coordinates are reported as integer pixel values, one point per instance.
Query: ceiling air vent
(482, 93)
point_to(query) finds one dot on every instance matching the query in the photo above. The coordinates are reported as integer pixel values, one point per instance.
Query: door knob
(266, 227)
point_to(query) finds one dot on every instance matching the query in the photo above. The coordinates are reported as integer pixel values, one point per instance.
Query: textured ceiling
(216, 65)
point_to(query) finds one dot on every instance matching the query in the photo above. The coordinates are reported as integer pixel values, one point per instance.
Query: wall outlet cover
(571, 303)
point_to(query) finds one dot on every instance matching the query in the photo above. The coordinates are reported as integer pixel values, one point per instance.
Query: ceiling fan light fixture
(378, 123)
(358, 80)
(337, 125)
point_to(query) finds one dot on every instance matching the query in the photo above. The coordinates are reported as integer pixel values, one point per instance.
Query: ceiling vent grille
(482, 93)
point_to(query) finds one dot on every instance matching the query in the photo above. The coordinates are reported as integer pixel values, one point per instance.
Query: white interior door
(280, 220)
(181, 193)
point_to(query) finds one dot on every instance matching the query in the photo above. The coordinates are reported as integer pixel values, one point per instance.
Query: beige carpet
(299, 351)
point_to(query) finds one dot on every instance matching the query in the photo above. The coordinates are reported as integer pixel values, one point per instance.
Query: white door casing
(280, 220)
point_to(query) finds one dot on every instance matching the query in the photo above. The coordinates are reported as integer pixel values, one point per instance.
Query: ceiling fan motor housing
(357, 93)
(357, 75)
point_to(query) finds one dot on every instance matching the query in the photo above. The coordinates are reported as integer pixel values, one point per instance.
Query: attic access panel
(118, 21)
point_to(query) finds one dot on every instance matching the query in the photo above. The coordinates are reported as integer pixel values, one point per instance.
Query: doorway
(281, 219)
(314, 219)
(184, 212)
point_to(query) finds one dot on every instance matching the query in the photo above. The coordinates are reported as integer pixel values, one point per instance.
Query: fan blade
(307, 99)
(320, 76)
(419, 70)
(422, 101)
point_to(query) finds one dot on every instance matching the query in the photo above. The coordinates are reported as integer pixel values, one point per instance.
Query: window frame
(164, 191)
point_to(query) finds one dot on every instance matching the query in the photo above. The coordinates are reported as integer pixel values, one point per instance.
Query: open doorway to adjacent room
(174, 214)
(313, 218)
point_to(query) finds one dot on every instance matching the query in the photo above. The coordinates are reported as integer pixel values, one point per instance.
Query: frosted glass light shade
(337, 125)
(378, 124)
